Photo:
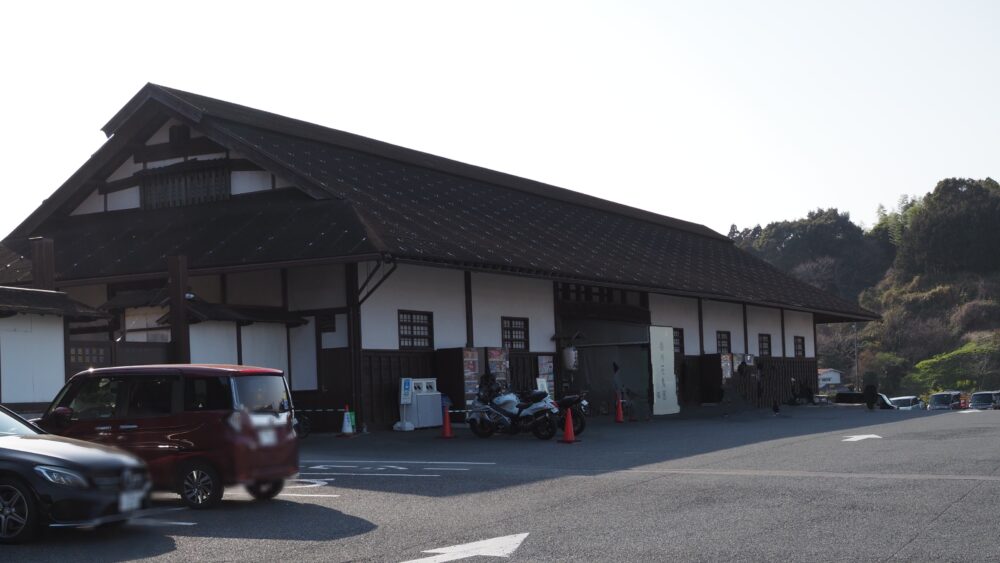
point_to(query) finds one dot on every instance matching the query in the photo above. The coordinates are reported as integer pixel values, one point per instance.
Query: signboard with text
(661, 359)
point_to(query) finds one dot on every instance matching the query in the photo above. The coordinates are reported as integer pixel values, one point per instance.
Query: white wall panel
(764, 320)
(335, 338)
(438, 290)
(495, 296)
(718, 315)
(142, 318)
(126, 170)
(677, 312)
(32, 355)
(208, 288)
(93, 204)
(303, 356)
(265, 345)
(93, 295)
(254, 288)
(249, 181)
(124, 199)
(317, 287)
(213, 342)
(799, 324)
(162, 134)
(162, 163)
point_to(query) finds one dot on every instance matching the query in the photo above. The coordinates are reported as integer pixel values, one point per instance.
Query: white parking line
(304, 495)
(445, 468)
(425, 462)
(374, 474)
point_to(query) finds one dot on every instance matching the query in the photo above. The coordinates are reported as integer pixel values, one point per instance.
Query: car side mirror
(61, 415)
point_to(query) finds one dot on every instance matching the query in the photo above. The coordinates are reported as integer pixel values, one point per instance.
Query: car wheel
(266, 490)
(200, 485)
(18, 512)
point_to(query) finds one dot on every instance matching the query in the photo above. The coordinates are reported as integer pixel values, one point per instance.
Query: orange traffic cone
(346, 429)
(446, 424)
(569, 437)
(619, 417)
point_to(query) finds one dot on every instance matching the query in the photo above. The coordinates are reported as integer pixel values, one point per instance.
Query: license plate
(130, 501)
(268, 437)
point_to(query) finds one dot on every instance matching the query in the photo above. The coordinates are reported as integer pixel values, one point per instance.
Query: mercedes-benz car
(48, 480)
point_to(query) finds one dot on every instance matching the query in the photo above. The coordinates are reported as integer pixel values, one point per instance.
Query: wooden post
(469, 340)
(701, 330)
(43, 263)
(180, 336)
(783, 354)
(746, 337)
(354, 339)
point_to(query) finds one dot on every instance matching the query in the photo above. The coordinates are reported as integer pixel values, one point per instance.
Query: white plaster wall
(32, 356)
(317, 287)
(302, 356)
(124, 199)
(799, 324)
(162, 134)
(265, 345)
(249, 181)
(213, 342)
(764, 320)
(93, 295)
(145, 318)
(438, 290)
(280, 182)
(335, 338)
(495, 296)
(162, 163)
(126, 170)
(254, 288)
(677, 312)
(716, 316)
(208, 288)
(93, 204)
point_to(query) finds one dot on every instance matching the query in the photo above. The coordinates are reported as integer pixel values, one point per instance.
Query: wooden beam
(746, 337)
(177, 282)
(43, 263)
(701, 329)
(783, 354)
(165, 151)
(469, 336)
(354, 338)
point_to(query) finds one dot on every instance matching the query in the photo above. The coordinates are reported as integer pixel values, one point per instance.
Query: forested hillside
(930, 267)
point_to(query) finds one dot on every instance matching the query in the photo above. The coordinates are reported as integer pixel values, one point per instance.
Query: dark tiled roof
(416, 207)
(14, 300)
(268, 227)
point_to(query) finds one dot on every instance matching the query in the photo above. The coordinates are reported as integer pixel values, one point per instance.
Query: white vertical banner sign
(661, 358)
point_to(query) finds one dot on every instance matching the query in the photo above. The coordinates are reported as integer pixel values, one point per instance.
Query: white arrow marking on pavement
(496, 547)
(860, 437)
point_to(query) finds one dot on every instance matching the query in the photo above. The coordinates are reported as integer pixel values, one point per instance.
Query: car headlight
(61, 476)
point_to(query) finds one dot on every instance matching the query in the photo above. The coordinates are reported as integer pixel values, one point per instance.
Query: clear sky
(710, 111)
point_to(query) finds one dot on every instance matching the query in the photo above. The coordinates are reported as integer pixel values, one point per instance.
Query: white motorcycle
(496, 410)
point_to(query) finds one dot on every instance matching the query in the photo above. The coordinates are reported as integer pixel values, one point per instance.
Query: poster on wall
(661, 358)
(470, 369)
(546, 371)
(727, 366)
(498, 363)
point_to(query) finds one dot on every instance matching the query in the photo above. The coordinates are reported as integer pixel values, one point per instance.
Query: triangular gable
(107, 181)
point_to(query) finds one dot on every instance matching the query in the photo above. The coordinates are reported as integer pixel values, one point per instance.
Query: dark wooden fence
(776, 379)
(380, 374)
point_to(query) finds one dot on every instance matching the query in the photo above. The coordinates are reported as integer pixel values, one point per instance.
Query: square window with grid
(763, 344)
(514, 333)
(722, 342)
(800, 346)
(678, 341)
(416, 330)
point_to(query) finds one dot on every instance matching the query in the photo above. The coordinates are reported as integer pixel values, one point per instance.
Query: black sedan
(48, 480)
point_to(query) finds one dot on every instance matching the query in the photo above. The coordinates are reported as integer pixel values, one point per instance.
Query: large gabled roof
(414, 207)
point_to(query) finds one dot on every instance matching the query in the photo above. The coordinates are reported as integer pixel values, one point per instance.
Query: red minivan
(198, 427)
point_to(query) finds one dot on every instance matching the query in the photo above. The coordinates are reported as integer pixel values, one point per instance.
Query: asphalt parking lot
(812, 484)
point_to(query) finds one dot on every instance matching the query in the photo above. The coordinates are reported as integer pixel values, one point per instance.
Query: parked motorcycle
(498, 410)
(579, 405)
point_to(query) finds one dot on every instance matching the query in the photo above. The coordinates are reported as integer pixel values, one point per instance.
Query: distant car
(884, 402)
(948, 400)
(199, 427)
(984, 400)
(47, 480)
(908, 403)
